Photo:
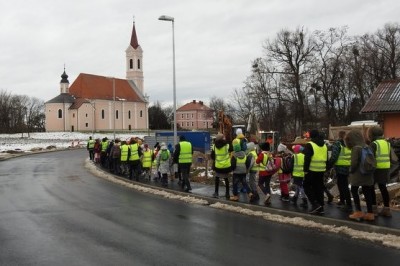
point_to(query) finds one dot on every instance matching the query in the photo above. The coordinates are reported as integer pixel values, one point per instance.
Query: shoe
(385, 212)
(267, 200)
(250, 195)
(315, 209)
(215, 195)
(234, 198)
(188, 190)
(357, 215)
(285, 199)
(369, 216)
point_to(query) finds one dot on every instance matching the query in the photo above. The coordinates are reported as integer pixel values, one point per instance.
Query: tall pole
(168, 18)
(114, 105)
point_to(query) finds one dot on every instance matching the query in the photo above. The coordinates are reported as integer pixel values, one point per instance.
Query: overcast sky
(215, 40)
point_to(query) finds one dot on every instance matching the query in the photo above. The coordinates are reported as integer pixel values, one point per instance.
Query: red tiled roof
(193, 106)
(78, 103)
(98, 87)
(384, 99)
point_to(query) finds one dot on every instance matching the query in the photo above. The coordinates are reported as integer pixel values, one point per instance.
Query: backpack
(164, 155)
(287, 164)
(367, 161)
(270, 165)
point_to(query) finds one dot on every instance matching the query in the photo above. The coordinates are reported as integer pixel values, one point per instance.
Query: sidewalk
(332, 216)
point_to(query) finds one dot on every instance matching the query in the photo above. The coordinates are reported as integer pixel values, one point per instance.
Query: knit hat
(297, 148)
(265, 146)
(314, 133)
(250, 146)
(239, 131)
(219, 136)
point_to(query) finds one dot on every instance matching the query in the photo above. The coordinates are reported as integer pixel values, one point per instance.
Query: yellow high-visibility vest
(222, 157)
(124, 152)
(256, 166)
(318, 160)
(134, 152)
(185, 154)
(382, 154)
(146, 161)
(298, 165)
(344, 158)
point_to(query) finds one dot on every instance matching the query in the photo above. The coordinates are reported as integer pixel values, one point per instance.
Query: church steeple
(134, 61)
(64, 83)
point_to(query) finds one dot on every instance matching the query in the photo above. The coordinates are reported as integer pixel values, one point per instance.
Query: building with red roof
(101, 103)
(194, 115)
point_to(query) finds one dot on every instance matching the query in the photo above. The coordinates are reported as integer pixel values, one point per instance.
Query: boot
(330, 197)
(250, 195)
(375, 210)
(357, 215)
(267, 200)
(385, 212)
(369, 216)
(227, 196)
(234, 198)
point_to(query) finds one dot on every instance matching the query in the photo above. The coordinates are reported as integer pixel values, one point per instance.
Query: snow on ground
(61, 140)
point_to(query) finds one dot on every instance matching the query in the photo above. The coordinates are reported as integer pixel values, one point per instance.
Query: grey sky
(215, 41)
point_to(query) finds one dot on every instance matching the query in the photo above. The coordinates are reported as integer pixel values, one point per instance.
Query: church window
(141, 113)
(87, 124)
(130, 63)
(116, 114)
(73, 115)
(59, 113)
(129, 114)
(138, 64)
(102, 114)
(86, 115)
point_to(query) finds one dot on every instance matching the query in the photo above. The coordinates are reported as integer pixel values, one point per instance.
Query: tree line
(20, 113)
(310, 80)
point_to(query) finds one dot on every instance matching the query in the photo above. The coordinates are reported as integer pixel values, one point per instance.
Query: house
(385, 102)
(194, 115)
(101, 103)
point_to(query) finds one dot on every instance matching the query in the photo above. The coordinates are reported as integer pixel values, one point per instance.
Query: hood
(354, 138)
(375, 133)
(319, 141)
(239, 154)
(219, 143)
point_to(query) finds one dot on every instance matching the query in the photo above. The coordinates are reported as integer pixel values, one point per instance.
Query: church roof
(62, 98)
(194, 106)
(385, 98)
(90, 86)
(78, 103)
(134, 40)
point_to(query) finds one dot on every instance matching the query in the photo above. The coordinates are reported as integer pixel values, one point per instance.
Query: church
(100, 103)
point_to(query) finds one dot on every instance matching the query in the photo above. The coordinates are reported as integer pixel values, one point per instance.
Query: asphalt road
(54, 212)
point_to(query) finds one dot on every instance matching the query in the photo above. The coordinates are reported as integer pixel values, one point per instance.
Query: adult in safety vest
(340, 160)
(383, 154)
(222, 164)
(125, 153)
(90, 148)
(134, 159)
(103, 152)
(183, 156)
(315, 160)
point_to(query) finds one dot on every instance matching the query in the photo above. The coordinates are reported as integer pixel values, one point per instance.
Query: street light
(113, 87)
(168, 18)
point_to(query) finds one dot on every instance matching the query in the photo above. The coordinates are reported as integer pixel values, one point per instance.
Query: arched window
(141, 113)
(138, 64)
(129, 114)
(130, 63)
(116, 114)
(102, 114)
(59, 113)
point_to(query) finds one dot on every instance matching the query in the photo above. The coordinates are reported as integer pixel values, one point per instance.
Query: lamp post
(113, 80)
(168, 18)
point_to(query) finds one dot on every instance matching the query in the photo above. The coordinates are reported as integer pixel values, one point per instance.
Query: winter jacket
(238, 166)
(336, 149)
(163, 165)
(355, 141)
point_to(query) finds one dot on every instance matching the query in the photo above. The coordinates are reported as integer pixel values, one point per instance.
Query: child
(240, 164)
(264, 176)
(298, 176)
(163, 158)
(147, 160)
(253, 170)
